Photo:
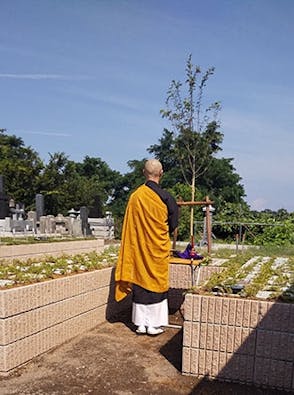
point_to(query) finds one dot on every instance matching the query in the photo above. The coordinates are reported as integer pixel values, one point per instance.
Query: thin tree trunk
(192, 207)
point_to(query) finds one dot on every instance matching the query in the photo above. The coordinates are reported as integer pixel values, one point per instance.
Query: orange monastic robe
(145, 245)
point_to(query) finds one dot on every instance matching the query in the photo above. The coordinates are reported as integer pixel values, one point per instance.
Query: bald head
(153, 170)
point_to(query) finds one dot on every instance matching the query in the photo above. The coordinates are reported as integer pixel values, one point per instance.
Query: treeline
(192, 171)
(66, 184)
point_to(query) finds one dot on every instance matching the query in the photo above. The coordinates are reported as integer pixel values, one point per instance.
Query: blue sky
(89, 77)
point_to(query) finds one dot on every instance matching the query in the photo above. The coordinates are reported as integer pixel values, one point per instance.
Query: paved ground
(112, 359)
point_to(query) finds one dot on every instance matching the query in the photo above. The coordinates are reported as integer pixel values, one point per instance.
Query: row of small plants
(234, 272)
(30, 271)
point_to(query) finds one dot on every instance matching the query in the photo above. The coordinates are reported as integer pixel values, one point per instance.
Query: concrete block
(201, 363)
(188, 306)
(216, 337)
(186, 360)
(211, 310)
(232, 311)
(215, 364)
(196, 309)
(208, 362)
(203, 335)
(254, 313)
(204, 308)
(223, 338)
(239, 312)
(187, 334)
(225, 311)
(194, 361)
(230, 339)
(218, 311)
(237, 339)
(195, 340)
(209, 336)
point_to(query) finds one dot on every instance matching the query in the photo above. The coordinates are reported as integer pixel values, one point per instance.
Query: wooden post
(175, 236)
(208, 225)
(205, 203)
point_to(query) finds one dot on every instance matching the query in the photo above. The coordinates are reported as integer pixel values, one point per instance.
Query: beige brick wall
(38, 317)
(246, 341)
(26, 251)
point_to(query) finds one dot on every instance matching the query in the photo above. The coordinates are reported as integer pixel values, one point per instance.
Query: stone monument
(4, 207)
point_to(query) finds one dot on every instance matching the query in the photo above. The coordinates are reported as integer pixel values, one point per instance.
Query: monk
(143, 263)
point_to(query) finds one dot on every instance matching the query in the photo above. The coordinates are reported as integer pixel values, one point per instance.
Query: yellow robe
(145, 245)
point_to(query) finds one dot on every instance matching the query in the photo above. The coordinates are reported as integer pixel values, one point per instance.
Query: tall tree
(67, 184)
(21, 167)
(54, 181)
(102, 181)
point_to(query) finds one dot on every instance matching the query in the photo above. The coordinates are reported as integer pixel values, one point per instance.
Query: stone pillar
(39, 205)
(50, 224)
(43, 220)
(4, 208)
(84, 220)
(32, 216)
(77, 228)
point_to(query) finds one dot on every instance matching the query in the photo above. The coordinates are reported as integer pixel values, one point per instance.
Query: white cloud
(119, 100)
(43, 76)
(56, 134)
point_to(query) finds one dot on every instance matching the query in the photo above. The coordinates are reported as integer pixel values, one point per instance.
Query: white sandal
(151, 331)
(141, 330)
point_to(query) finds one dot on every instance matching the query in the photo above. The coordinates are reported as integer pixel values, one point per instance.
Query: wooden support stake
(205, 203)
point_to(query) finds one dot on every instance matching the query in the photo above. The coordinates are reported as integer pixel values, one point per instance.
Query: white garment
(155, 314)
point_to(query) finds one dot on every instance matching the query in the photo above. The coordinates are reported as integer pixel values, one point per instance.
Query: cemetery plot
(260, 277)
(31, 271)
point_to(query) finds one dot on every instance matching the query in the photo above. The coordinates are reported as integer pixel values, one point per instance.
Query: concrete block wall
(38, 317)
(25, 251)
(245, 341)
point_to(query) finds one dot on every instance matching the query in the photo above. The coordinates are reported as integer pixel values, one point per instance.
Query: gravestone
(42, 227)
(39, 205)
(4, 208)
(84, 212)
(32, 216)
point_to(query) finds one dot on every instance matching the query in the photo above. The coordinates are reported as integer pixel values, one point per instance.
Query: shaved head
(152, 168)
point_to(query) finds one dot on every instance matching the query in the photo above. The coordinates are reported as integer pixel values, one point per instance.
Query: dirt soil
(112, 359)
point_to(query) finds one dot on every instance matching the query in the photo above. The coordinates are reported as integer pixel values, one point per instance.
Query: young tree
(194, 125)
